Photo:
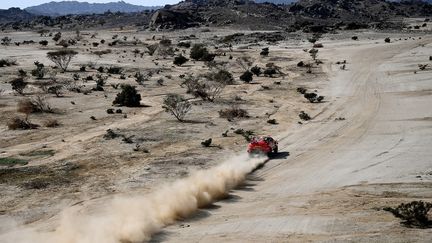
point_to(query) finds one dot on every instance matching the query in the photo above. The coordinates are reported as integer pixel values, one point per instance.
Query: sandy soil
(338, 174)
(341, 172)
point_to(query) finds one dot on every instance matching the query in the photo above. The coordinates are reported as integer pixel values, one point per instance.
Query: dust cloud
(135, 219)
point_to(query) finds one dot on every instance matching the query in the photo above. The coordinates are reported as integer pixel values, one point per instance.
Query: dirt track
(340, 173)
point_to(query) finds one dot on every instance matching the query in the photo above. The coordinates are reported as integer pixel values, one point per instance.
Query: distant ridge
(293, 1)
(14, 14)
(79, 8)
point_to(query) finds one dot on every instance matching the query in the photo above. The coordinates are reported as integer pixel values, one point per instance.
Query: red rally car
(263, 145)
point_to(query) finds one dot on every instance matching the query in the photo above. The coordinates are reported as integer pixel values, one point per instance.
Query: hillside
(74, 7)
(14, 14)
(303, 15)
(360, 11)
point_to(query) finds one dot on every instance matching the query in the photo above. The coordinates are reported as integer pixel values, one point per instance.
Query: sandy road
(385, 140)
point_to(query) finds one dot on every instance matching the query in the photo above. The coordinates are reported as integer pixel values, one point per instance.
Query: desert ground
(366, 146)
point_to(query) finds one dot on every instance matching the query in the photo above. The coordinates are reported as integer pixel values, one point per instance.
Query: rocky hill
(74, 7)
(306, 15)
(359, 10)
(14, 14)
(249, 14)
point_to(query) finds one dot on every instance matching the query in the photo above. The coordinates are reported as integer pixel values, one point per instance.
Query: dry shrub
(51, 123)
(62, 58)
(206, 90)
(177, 106)
(233, 112)
(103, 52)
(413, 214)
(34, 105)
(17, 123)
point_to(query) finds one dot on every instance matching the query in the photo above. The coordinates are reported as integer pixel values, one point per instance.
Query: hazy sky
(4, 4)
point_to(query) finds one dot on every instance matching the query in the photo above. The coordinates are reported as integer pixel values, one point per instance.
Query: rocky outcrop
(14, 14)
(168, 19)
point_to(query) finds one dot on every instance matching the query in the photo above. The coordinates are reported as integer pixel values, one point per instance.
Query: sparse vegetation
(114, 70)
(62, 58)
(57, 36)
(247, 77)
(256, 70)
(5, 41)
(180, 60)
(233, 112)
(313, 53)
(51, 123)
(313, 97)
(206, 143)
(176, 105)
(9, 161)
(140, 78)
(304, 116)
(265, 52)
(40, 71)
(34, 105)
(18, 85)
(7, 62)
(413, 214)
(221, 76)
(200, 53)
(17, 123)
(128, 97)
(272, 121)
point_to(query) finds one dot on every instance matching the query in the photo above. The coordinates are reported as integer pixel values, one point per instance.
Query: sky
(5, 4)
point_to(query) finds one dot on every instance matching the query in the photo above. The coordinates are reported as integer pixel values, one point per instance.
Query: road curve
(385, 139)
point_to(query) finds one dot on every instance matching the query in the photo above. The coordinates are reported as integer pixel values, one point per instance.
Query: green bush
(180, 60)
(128, 97)
(246, 77)
(200, 53)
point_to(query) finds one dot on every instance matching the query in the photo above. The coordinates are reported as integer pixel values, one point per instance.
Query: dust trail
(136, 219)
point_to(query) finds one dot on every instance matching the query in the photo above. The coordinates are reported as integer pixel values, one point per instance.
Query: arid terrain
(365, 146)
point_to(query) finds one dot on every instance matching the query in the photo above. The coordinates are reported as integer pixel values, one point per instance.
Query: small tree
(128, 97)
(247, 76)
(177, 106)
(62, 58)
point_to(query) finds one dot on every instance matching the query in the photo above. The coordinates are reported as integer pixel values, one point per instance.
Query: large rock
(168, 19)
